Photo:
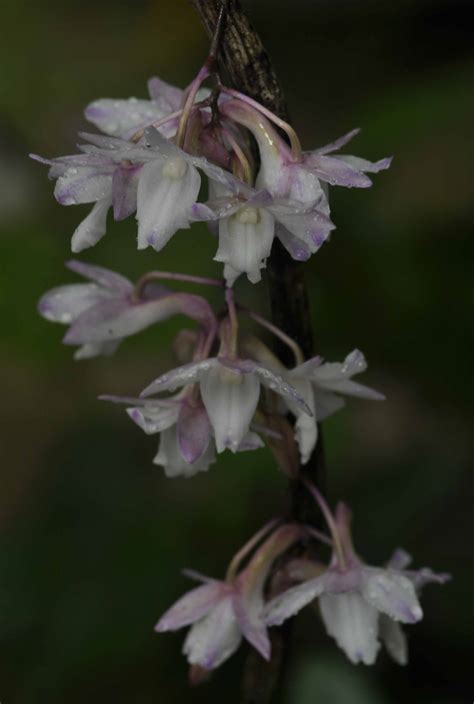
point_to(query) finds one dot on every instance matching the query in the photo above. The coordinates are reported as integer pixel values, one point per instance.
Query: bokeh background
(92, 536)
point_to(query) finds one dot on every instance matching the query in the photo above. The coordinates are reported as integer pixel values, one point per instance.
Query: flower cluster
(360, 605)
(230, 391)
(151, 157)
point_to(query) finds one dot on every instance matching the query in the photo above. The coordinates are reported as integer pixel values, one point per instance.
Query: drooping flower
(123, 118)
(107, 309)
(250, 219)
(154, 177)
(221, 613)
(230, 391)
(298, 177)
(360, 605)
(322, 385)
(187, 443)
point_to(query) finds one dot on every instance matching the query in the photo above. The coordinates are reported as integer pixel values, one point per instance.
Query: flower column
(242, 54)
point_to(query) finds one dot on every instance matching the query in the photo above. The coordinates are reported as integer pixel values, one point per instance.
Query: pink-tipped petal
(194, 430)
(392, 593)
(104, 277)
(191, 607)
(289, 603)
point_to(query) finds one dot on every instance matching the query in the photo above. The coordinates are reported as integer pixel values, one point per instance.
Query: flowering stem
(250, 71)
(173, 276)
(275, 330)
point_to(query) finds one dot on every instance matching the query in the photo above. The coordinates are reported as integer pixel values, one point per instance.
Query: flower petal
(174, 379)
(292, 601)
(214, 638)
(364, 165)
(104, 277)
(191, 607)
(392, 593)
(335, 171)
(92, 228)
(124, 190)
(298, 249)
(155, 417)
(160, 91)
(338, 143)
(120, 317)
(311, 227)
(394, 639)
(120, 117)
(167, 190)
(248, 610)
(170, 458)
(86, 184)
(276, 383)
(230, 399)
(194, 430)
(353, 623)
(64, 304)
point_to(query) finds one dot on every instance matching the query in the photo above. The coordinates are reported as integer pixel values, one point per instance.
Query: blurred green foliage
(92, 536)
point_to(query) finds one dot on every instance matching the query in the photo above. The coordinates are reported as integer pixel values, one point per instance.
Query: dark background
(92, 535)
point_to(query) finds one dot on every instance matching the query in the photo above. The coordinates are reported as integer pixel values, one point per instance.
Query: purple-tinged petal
(124, 191)
(425, 575)
(104, 277)
(197, 576)
(181, 376)
(311, 227)
(65, 304)
(364, 165)
(192, 606)
(276, 383)
(83, 185)
(335, 171)
(353, 624)
(120, 317)
(391, 593)
(292, 601)
(119, 117)
(159, 90)
(249, 615)
(336, 376)
(193, 430)
(214, 638)
(394, 639)
(170, 458)
(231, 399)
(92, 228)
(167, 190)
(338, 143)
(298, 250)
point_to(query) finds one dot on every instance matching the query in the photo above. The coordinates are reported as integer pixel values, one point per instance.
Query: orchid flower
(360, 604)
(221, 613)
(107, 309)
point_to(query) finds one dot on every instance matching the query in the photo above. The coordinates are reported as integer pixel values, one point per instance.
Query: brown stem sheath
(247, 65)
